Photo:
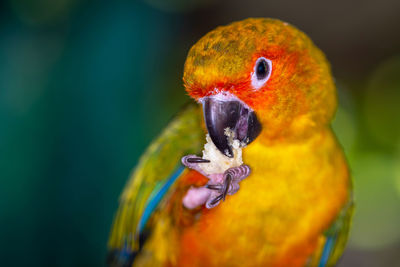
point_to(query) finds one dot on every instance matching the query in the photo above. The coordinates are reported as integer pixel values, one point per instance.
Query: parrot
(279, 192)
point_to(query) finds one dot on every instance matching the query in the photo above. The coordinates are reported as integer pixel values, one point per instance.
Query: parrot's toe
(193, 161)
(213, 200)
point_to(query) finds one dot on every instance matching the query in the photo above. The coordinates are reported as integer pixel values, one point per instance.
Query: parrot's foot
(229, 186)
(220, 184)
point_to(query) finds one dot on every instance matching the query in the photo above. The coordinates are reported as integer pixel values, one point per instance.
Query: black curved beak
(221, 114)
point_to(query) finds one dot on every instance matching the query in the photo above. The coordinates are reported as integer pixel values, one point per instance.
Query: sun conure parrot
(265, 90)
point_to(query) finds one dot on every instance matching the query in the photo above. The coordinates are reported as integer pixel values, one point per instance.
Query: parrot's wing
(334, 239)
(156, 171)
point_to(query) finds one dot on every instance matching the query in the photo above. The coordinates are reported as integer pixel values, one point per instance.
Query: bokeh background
(86, 85)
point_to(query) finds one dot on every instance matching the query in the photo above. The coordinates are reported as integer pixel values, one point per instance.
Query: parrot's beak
(220, 114)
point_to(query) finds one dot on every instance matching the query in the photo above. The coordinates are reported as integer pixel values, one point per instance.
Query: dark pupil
(262, 70)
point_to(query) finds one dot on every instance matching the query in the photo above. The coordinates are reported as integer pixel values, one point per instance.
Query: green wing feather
(339, 231)
(183, 135)
(335, 238)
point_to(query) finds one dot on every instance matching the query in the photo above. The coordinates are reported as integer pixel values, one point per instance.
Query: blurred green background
(86, 85)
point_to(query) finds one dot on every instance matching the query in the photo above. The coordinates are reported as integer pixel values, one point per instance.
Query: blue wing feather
(336, 238)
(158, 168)
(326, 252)
(156, 197)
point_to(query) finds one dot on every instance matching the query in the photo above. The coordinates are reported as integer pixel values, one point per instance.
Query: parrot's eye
(262, 71)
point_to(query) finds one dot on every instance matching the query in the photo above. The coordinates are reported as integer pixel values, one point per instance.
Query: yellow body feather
(294, 194)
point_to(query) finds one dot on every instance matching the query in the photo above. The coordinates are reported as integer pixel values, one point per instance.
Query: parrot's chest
(281, 209)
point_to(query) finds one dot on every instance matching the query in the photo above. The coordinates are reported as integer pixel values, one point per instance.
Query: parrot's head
(263, 79)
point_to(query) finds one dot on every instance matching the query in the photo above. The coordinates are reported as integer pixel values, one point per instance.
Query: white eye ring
(262, 72)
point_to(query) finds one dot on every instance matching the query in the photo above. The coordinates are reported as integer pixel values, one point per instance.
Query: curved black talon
(227, 184)
(215, 200)
(216, 187)
(197, 160)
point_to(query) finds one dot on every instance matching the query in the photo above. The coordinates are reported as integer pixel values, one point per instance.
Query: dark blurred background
(86, 85)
